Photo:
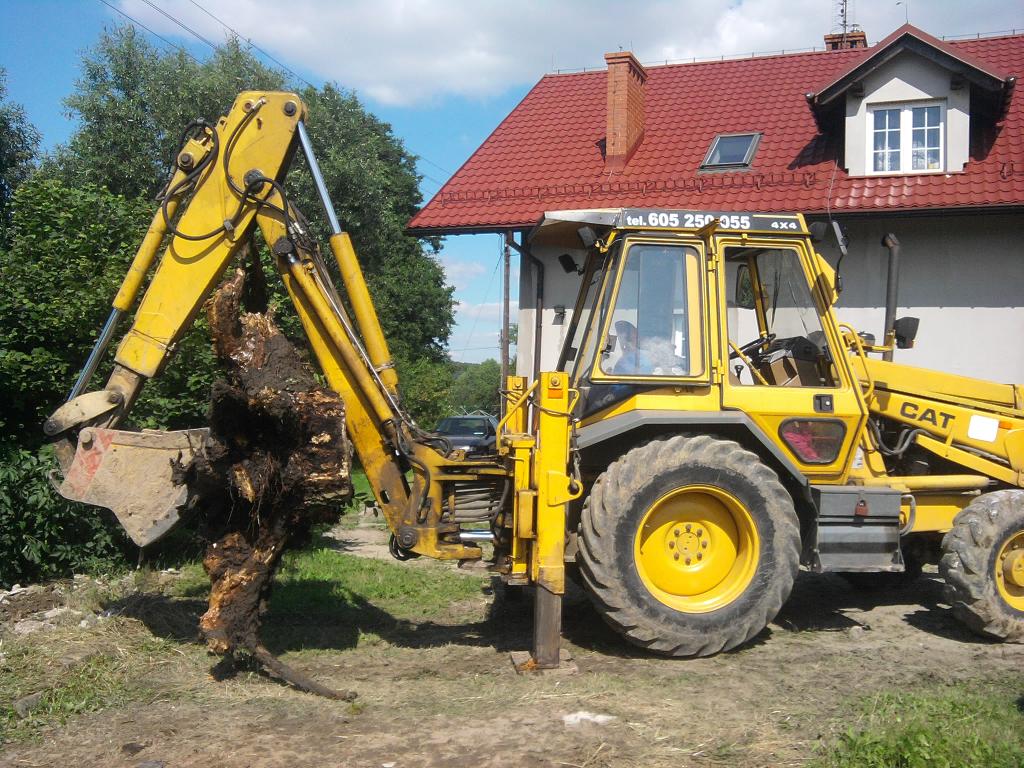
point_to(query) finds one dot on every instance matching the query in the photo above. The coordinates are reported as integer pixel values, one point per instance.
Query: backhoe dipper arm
(230, 175)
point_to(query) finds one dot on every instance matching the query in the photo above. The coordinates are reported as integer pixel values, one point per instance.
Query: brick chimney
(854, 38)
(625, 119)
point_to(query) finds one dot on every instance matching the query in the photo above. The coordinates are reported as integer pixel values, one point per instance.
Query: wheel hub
(696, 549)
(1009, 571)
(1013, 567)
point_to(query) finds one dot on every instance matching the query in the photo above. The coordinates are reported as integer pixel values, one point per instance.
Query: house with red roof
(915, 136)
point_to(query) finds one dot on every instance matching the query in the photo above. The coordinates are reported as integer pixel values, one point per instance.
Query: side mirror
(744, 288)
(587, 236)
(905, 330)
(818, 229)
(569, 264)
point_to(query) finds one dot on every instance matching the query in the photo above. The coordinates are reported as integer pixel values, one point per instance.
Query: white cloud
(489, 312)
(406, 52)
(477, 330)
(462, 274)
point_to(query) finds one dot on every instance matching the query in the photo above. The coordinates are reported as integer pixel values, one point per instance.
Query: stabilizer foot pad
(524, 664)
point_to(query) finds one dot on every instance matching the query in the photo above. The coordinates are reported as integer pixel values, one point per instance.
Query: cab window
(775, 332)
(653, 327)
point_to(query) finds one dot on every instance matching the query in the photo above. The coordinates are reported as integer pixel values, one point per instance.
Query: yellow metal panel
(679, 398)
(189, 270)
(554, 487)
(971, 460)
(922, 382)
(935, 512)
(951, 421)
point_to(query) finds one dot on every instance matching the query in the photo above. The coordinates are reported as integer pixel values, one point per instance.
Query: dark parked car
(476, 435)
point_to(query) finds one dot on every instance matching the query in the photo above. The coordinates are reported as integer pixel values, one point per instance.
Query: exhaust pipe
(892, 287)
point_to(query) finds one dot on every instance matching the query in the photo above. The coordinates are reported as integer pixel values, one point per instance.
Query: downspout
(892, 286)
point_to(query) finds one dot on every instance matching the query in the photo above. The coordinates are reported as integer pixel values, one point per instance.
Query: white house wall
(963, 276)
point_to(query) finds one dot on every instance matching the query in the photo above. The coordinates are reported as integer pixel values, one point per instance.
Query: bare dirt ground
(442, 692)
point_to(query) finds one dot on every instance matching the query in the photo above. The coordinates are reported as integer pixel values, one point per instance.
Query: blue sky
(445, 72)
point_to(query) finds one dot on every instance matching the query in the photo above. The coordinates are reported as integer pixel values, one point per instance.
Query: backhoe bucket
(131, 474)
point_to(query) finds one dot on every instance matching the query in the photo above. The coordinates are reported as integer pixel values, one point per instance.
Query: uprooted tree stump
(276, 463)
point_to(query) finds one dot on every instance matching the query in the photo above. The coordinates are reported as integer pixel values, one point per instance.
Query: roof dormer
(905, 105)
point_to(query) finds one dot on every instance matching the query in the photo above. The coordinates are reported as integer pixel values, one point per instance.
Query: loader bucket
(131, 474)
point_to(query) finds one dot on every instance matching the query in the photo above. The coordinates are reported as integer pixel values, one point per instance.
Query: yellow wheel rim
(697, 549)
(1009, 567)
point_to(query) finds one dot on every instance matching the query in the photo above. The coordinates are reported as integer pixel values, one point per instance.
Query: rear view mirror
(744, 288)
(818, 229)
(569, 264)
(905, 330)
(587, 236)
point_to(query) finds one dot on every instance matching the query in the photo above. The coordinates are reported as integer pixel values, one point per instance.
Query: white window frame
(906, 137)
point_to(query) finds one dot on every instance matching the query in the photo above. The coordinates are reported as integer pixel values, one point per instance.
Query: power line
(164, 13)
(216, 47)
(431, 178)
(230, 29)
(444, 170)
(154, 34)
(480, 309)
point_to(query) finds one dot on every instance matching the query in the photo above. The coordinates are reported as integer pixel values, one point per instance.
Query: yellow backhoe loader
(710, 426)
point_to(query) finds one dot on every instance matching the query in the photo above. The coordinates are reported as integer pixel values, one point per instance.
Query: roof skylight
(731, 151)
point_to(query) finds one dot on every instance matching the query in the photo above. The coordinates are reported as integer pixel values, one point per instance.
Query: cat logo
(927, 416)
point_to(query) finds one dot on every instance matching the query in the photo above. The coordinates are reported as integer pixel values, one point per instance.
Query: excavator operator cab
(774, 325)
(650, 308)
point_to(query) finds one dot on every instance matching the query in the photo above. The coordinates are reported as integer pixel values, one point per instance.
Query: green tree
(476, 387)
(132, 102)
(70, 247)
(19, 141)
(372, 180)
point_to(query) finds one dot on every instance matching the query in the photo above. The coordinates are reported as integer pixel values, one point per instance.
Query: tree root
(277, 462)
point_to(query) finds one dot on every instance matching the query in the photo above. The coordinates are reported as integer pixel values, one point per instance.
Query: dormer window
(731, 151)
(906, 138)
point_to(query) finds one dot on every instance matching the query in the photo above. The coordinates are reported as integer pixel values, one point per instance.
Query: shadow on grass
(309, 614)
(312, 613)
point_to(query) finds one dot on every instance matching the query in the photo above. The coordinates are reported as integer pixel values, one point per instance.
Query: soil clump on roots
(276, 463)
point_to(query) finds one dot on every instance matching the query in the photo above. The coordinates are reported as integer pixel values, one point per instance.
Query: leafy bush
(41, 535)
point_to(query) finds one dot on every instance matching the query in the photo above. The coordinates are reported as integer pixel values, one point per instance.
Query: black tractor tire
(612, 519)
(970, 564)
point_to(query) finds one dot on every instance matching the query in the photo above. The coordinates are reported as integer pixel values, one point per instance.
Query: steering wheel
(751, 346)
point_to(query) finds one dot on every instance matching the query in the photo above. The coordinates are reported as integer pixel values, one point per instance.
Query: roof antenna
(841, 23)
(906, 10)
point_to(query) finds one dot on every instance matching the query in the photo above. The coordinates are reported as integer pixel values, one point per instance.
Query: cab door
(782, 355)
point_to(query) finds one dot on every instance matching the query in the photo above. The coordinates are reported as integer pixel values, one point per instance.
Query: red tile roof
(896, 41)
(545, 154)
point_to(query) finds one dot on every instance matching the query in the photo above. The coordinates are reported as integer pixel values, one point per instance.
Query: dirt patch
(441, 692)
(22, 602)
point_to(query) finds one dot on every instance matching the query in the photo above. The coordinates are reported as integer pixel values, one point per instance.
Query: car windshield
(463, 427)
